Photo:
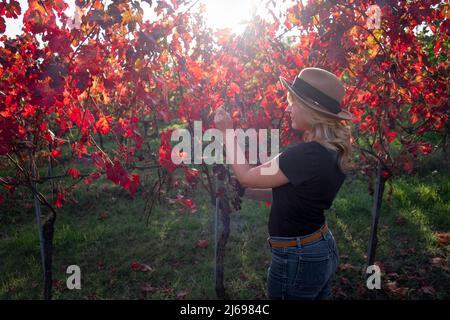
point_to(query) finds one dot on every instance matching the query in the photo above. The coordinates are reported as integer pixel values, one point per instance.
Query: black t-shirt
(314, 180)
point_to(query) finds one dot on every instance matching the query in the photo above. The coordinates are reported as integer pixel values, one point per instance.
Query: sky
(219, 13)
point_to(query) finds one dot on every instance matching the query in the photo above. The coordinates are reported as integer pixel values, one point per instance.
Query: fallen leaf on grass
(260, 295)
(345, 266)
(137, 266)
(398, 291)
(100, 266)
(380, 265)
(393, 275)
(243, 276)
(202, 243)
(407, 252)
(145, 268)
(181, 295)
(428, 290)
(361, 289)
(103, 216)
(167, 290)
(400, 221)
(339, 293)
(147, 287)
(251, 285)
(92, 296)
(58, 284)
(436, 260)
(443, 237)
(439, 262)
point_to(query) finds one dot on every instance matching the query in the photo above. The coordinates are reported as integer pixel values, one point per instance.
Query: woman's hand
(266, 175)
(222, 119)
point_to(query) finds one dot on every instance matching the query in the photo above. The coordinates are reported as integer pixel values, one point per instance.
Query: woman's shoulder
(317, 145)
(313, 150)
(308, 145)
(303, 150)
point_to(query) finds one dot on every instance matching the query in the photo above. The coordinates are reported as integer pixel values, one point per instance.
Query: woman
(308, 177)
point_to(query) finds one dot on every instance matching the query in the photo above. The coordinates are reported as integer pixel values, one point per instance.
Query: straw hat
(320, 90)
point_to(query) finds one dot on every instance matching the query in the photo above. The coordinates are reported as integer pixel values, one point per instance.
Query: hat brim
(342, 115)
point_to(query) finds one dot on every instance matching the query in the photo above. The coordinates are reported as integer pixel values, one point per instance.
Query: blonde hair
(332, 133)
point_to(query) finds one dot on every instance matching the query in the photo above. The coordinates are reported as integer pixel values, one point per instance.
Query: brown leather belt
(293, 243)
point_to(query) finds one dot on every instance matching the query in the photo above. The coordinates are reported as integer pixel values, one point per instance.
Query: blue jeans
(303, 272)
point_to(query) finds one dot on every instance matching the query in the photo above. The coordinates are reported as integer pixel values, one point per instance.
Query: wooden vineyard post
(377, 201)
(223, 211)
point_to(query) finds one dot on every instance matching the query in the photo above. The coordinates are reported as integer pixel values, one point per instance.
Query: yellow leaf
(138, 64)
(316, 19)
(128, 16)
(378, 33)
(354, 31)
(293, 19)
(445, 10)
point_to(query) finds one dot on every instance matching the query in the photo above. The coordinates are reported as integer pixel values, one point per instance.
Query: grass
(105, 231)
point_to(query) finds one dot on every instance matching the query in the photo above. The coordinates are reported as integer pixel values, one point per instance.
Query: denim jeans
(303, 272)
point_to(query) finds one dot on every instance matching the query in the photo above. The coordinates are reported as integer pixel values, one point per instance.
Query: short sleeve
(296, 163)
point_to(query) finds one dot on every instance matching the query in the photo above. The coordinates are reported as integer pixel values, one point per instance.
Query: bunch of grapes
(238, 192)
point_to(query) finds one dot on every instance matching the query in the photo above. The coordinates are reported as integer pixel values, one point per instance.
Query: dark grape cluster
(238, 192)
(236, 189)
(236, 202)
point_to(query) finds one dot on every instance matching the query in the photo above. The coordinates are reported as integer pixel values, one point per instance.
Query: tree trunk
(223, 209)
(377, 201)
(48, 229)
(225, 218)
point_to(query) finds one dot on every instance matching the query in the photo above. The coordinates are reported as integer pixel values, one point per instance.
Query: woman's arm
(258, 194)
(266, 175)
